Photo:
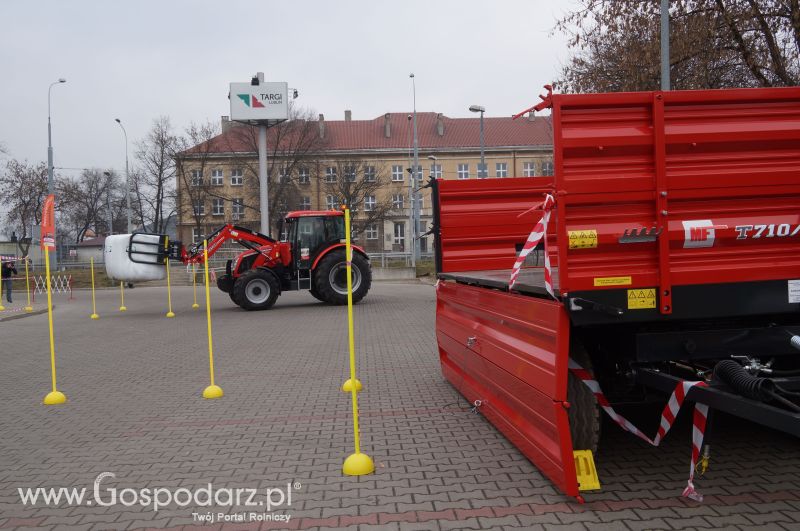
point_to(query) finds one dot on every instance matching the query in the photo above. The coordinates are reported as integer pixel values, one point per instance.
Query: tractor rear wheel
(584, 411)
(316, 295)
(330, 277)
(256, 290)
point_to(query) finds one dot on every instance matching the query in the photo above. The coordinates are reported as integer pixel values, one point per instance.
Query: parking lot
(134, 380)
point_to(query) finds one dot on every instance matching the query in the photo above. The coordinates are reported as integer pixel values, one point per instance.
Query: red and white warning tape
(539, 231)
(667, 419)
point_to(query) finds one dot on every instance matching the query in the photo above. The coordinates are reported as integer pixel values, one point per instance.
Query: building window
(330, 174)
(283, 206)
(463, 171)
(197, 177)
(330, 202)
(397, 173)
(547, 167)
(350, 174)
(197, 235)
(423, 242)
(397, 201)
(283, 174)
(372, 231)
(237, 207)
(236, 177)
(216, 177)
(217, 207)
(420, 173)
(305, 203)
(483, 170)
(199, 208)
(303, 176)
(421, 202)
(436, 171)
(369, 174)
(528, 169)
(399, 233)
(369, 202)
(501, 169)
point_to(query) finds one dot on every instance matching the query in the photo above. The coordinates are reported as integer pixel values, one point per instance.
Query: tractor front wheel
(330, 277)
(256, 290)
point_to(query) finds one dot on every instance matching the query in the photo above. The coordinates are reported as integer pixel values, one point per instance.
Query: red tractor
(312, 257)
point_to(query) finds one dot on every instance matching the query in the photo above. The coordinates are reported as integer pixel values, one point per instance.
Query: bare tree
(153, 181)
(194, 150)
(361, 185)
(713, 44)
(23, 188)
(84, 202)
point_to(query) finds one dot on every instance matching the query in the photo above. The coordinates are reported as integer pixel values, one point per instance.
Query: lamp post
(482, 168)
(414, 195)
(50, 186)
(127, 178)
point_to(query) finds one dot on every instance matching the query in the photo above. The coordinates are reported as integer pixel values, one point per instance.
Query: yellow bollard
(357, 464)
(122, 307)
(28, 308)
(194, 285)
(169, 294)
(55, 396)
(94, 306)
(212, 391)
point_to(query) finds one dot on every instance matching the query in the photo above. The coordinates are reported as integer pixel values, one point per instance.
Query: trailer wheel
(330, 277)
(584, 411)
(256, 290)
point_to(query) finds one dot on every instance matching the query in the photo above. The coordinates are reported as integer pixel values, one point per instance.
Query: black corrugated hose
(762, 389)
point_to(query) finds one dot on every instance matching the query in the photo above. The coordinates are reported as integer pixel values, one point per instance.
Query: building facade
(367, 163)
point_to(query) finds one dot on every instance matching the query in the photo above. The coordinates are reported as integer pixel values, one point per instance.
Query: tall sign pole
(262, 104)
(664, 44)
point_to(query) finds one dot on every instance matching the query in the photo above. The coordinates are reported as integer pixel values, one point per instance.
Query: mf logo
(700, 233)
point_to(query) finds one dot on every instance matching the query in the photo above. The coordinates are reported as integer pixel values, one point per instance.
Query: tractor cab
(308, 234)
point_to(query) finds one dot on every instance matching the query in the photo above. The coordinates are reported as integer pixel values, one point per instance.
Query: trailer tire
(584, 411)
(330, 277)
(256, 290)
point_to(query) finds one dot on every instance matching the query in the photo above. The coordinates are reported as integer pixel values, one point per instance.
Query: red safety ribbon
(667, 419)
(539, 231)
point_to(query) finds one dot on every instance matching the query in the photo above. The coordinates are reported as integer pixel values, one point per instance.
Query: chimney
(531, 116)
(322, 125)
(439, 125)
(387, 126)
(348, 115)
(225, 124)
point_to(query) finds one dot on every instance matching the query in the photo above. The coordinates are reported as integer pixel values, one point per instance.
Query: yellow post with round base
(347, 385)
(194, 285)
(357, 464)
(94, 306)
(169, 294)
(28, 308)
(55, 396)
(122, 306)
(212, 391)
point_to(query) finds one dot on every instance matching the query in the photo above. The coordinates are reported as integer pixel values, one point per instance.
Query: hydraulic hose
(733, 374)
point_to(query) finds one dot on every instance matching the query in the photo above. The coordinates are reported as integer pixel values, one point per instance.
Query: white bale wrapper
(119, 265)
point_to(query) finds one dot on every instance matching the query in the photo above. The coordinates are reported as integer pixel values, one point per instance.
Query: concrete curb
(23, 314)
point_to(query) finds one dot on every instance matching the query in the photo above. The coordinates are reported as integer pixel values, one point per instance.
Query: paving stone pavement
(134, 381)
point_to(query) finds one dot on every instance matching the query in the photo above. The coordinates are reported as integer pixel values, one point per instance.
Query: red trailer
(674, 249)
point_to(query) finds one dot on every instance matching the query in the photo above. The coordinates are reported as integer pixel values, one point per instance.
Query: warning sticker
(641, 299)
(582, 239)
(612, 281)
(794, 291)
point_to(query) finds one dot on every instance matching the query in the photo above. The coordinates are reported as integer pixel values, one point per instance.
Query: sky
(142, 59)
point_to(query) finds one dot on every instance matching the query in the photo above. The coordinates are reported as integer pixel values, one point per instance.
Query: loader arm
(247, 238)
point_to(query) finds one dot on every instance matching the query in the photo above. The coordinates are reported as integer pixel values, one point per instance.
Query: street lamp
(482, 168)
(415, 211)
(50, 187)
(127, 178)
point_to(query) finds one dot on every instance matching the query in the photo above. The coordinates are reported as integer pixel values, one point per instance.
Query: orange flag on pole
(49, 223)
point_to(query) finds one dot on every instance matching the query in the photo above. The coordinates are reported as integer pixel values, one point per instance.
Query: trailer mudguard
(511, 352)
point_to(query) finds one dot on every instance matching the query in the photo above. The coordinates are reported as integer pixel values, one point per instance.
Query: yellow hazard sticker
(612, 281)
(582, 239)
(641, 299)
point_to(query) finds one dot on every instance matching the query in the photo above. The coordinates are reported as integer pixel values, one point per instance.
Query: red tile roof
(356, 135)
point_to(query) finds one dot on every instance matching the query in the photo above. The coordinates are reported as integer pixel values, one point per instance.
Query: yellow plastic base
(123, 309)
(358, 465)
(28, 308)
(195, 306)
(54, 398)
(585, 470)
(347, 386)
(213, 391)
(170, 314)
(2, 308)
(94, 316)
